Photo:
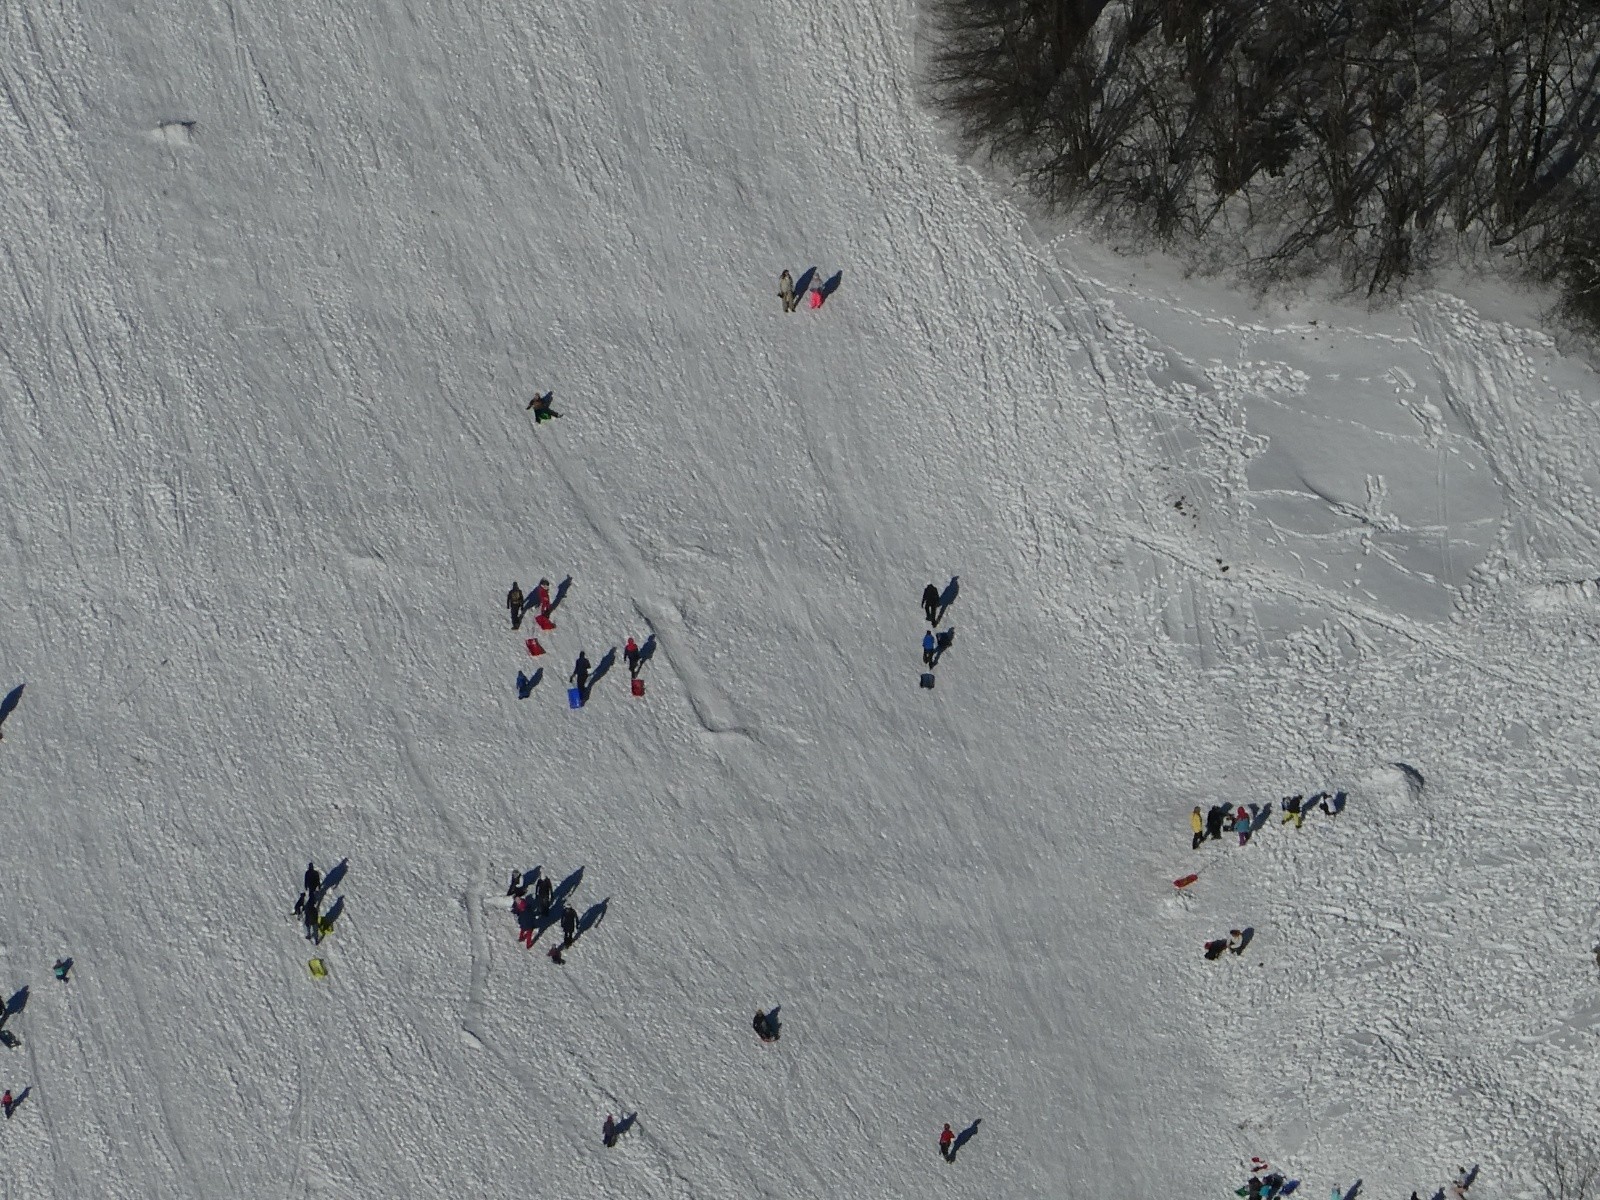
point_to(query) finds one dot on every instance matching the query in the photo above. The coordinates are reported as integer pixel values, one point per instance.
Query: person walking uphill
(580, 672)
(514, 603)
(930, 604)
(786, 292)
(631, 653)
(569, 925)
(313, 882)
(946, 1140)
(929, 645)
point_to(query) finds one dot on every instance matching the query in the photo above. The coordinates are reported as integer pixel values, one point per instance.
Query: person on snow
(313, 919)
(947, 1139)
(1197, 826)
(929, 645)
(63, 965)
(1215, 948)
(569, 925)
(313, 882)
(1294, 810)
(1242, 824)
(1458, 1189)
(8, 1104)
(631, 653)
(786, 292)
(541, 597)
(1332, 805)
(930, 604)
(608, 1131)
(763, 1027)
(539, 406)
(580, 672)
(518, 886)
(1214, 821)
(1236, 941)
(514, 603)
(541, 897)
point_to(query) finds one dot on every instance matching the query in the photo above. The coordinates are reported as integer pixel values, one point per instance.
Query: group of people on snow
(1245, 821)
(515, 602)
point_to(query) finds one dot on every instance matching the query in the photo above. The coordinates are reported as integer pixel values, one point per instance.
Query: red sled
(1185, 881)
(638, 686)
(534, 648)
(544, 622)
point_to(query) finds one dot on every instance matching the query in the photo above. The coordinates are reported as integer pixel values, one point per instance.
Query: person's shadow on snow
(948, 596)
(941, 643)
(593, 917)
(965, 1136)
(334, 877)
(526, 683)
(606, 663)
(830, 285)
(13, 698)
(803, 284)
(18, 1002)
(647, 651)
(561, 594)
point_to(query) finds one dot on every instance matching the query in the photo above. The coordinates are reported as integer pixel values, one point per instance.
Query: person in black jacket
(313, 882)
(569, 925)
(580, 671)
(514, 603)
(541, 896)
(930, 604)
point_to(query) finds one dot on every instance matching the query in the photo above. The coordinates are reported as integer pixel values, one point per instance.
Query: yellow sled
(318, 968)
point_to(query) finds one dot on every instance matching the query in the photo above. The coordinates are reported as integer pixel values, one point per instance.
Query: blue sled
(574, 697)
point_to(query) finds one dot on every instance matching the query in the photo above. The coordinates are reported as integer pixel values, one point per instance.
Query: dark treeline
(1365, 134)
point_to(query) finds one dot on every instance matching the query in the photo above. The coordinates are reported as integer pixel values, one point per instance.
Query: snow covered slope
(277, 284)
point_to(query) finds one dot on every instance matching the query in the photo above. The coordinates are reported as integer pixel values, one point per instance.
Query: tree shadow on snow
(13, 698)
(965, 1136)
(561, 593)
(948, 596)
(596, 914)
(17, 1003)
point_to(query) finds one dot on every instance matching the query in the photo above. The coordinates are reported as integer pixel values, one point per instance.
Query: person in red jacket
(541, 597)
(946, 1140)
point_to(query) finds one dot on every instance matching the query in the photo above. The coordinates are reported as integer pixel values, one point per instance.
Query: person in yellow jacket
(1198, 824)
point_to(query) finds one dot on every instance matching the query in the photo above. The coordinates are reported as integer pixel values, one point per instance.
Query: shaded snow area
(278, 284)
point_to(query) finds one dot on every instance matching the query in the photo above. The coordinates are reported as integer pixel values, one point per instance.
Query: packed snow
(278, 285)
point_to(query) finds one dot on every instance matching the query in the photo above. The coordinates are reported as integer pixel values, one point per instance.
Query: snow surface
(278, 281)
